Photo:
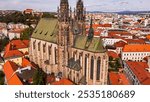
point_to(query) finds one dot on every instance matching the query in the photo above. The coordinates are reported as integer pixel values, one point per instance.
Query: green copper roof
(46, 30)
(92, 45)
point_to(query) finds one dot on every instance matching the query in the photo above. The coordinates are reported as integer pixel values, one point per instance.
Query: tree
(118, 63)
(18, 17)
(39, 77)
(110, 58)
(48, 15)
(2, 79)
(26, 34)
(3, 43)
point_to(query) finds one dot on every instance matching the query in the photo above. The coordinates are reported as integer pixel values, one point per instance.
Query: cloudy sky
(91, 5)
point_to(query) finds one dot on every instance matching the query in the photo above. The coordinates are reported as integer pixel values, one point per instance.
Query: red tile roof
(26, 42)
(118, 32)
(16, 31)
(120, 44)
(13, 53)
(62, 82)
(28, 10)
(137, 48)
(11, 49)
(118, 79)
(139, 69)
(11, 76)
(148, 36)
(26, 63)
(96, 33)
(99, 25)
(17, 44)
(50, 79)
(135, 41)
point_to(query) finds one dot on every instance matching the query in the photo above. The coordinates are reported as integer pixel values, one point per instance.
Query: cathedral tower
(63, 36)
(64, 11)
(80, 11)
(80, 17)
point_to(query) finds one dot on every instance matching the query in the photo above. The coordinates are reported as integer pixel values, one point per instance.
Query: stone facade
(61, 47)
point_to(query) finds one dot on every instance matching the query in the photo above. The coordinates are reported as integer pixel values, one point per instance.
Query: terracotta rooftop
(99, 25)
(118, 79)
(120, 44)
(121, 32)
(17, 44)
(28, 10)
(148, 36)
(26, 63)
(62, 82)
(16, 31)
(135, 41)
(139, 69)
(12, 53)
(137, 48)
(11, 76)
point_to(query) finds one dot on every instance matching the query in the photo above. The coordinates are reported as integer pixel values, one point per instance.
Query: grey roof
(75, 65)
(83, 80)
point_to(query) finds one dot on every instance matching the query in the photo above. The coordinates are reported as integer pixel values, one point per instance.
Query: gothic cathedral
(61, 46)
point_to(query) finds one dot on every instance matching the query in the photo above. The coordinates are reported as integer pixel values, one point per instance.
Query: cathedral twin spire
(64, 11)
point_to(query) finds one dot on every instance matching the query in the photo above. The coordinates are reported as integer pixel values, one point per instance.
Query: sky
(91, 5)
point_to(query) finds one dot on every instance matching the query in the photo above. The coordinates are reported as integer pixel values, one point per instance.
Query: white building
(14, 33)
(108, 41)
(17, 26)
(135, 52)
(3, 31)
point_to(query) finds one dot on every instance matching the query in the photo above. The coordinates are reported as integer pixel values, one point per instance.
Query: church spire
(64, 2)
(64, 11)
(91, 30)
(80, 10)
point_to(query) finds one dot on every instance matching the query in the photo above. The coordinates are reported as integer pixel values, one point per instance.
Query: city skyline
(97, 5)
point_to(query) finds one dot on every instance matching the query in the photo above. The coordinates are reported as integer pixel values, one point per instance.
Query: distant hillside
(133, 12)
(122, 12)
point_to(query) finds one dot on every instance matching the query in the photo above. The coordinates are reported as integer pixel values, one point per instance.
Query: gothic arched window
(44, 48)
(56, 56)
(80, 58)
(98, 68)
(85, 65)
(34, 44)
(39, 46)
(92, 68)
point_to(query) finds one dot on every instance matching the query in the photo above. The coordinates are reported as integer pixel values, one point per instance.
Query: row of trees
(48, 15)
(18, 17)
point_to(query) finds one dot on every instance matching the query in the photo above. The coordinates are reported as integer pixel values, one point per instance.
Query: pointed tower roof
(91, 30)
(64, 2)
(80, 2)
